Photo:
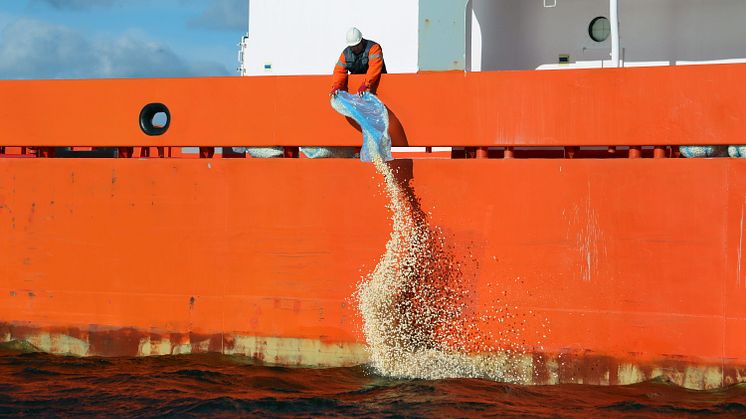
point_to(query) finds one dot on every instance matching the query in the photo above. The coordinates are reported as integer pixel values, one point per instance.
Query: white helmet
(354, 37)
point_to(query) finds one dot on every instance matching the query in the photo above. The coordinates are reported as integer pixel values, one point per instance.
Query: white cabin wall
(522, 34)
(301, 37)
(689, 30)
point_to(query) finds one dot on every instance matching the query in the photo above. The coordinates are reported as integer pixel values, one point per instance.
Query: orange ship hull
(128, 257)
(635, 265)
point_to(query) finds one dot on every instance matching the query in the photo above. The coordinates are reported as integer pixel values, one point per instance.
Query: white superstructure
(299, 37)
(522, 34)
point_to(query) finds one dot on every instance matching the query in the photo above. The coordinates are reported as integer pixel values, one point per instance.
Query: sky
(81, 39)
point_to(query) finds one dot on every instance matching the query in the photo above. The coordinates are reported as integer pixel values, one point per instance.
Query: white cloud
(30, 49)
(229, 15)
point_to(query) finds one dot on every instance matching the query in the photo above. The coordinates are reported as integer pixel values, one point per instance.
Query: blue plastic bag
(329, 152)
(704, 151)
(737, 151)
(373, 117)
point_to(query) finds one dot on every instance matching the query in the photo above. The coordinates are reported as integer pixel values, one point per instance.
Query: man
(362, 56)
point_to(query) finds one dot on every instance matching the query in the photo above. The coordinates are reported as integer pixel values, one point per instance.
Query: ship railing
(509, 152)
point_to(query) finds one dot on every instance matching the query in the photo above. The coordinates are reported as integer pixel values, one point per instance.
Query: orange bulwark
(635, 263)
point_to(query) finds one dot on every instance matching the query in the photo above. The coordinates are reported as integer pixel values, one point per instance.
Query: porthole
(155, 119)
(599, 29)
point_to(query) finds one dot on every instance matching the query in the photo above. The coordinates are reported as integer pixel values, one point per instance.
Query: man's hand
(364, 88)
(334, 92)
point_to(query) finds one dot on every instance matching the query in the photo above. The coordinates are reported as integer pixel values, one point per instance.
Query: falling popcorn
(414, 304)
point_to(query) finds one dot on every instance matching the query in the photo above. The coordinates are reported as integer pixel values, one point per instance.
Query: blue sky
(73, 39)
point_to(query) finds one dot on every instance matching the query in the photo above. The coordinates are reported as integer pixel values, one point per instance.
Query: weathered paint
(289, 351)
(442, 35)
(260, 257)
(266, 349)
(542, 368)
(691, 105)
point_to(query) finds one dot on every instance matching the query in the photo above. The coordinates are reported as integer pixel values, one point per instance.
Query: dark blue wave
(42, 385)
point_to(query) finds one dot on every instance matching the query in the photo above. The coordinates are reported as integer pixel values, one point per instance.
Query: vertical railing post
(509, 154)
(206, 152)
(46, 152)
(659, 152)
(635, 152)
(483, 152)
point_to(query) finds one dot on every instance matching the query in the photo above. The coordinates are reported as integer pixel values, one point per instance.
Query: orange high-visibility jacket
(369, 62)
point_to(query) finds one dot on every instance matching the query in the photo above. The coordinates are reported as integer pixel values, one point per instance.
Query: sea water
(41, 385)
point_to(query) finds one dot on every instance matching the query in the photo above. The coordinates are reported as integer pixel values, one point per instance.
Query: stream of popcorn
(414, 306)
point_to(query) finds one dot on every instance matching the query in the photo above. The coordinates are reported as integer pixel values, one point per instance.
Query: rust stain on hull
(570, 367)
(124, 342)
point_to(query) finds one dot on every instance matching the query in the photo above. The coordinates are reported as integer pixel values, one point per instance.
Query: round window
(599, 29)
